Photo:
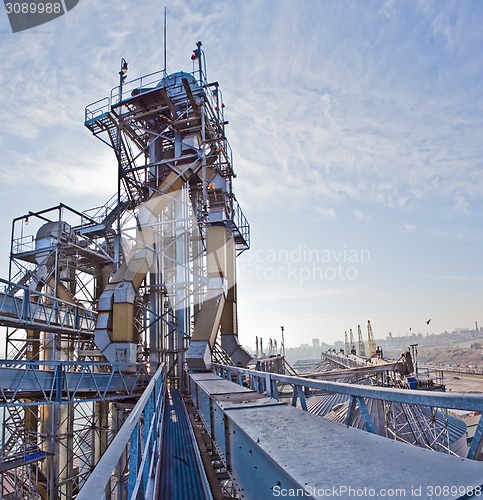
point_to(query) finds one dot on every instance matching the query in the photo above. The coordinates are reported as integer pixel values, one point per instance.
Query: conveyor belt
(181, 477)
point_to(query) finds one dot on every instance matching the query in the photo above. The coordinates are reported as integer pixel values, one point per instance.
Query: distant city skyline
(340, 342)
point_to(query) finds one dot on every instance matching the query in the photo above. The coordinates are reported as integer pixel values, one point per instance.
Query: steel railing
(145, 82)
(22, 307)
(61, 382)
(241, 222)
(97, 109)
(139, 437)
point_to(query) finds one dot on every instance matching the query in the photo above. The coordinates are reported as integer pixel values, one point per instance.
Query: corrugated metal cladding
(321, 405)
(181, 478)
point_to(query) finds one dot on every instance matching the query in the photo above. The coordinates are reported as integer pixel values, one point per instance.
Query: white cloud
(462, 278)
(361, 216)
(324, 213)
(409, 228)
(461, 204)
(355, 124)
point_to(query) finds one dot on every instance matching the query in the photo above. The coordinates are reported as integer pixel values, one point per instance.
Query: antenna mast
(165, 31)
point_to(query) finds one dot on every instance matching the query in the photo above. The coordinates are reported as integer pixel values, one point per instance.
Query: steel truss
(60, 405)
(131, 457)
(427, 427)
(56, 446)
(48, 304)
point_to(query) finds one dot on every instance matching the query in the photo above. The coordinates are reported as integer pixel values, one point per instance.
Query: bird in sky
(429, 321)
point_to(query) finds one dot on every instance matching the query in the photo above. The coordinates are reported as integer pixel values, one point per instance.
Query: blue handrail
(139, 436)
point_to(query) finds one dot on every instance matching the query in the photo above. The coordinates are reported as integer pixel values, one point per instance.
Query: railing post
(255, 383)
(350, 411)
(274, 389)
(268, 385)
(301, 394)
(133, 460)
(294, 395)
(26, 305)
(148, 443)
(366, 416)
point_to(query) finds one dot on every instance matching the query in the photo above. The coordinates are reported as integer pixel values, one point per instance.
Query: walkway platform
(181, 477)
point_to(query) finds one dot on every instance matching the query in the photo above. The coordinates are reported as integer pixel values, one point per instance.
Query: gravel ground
(466, 384)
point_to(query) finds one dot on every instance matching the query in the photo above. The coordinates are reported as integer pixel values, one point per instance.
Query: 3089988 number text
(452, 491)
(34, 8)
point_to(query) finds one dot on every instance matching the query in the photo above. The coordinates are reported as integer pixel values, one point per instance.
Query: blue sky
(357, 130)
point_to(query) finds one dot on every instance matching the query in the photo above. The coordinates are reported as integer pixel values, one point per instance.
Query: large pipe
(219, 307)
(229, 319)
(208, 319)
(115, 334)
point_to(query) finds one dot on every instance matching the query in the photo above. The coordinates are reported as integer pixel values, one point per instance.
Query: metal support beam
(477, 441)
(301, 395)
(350, 412)
(366, 416)
(472, 402)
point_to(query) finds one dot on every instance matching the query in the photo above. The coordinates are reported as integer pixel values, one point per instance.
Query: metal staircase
(107, 123)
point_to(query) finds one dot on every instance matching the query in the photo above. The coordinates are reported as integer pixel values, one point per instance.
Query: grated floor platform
(181, 478)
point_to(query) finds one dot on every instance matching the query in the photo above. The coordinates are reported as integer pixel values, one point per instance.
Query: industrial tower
(111, 310)
(97, 300)
(180, 226)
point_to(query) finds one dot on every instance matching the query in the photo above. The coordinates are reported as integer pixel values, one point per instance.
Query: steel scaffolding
(97, 301)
